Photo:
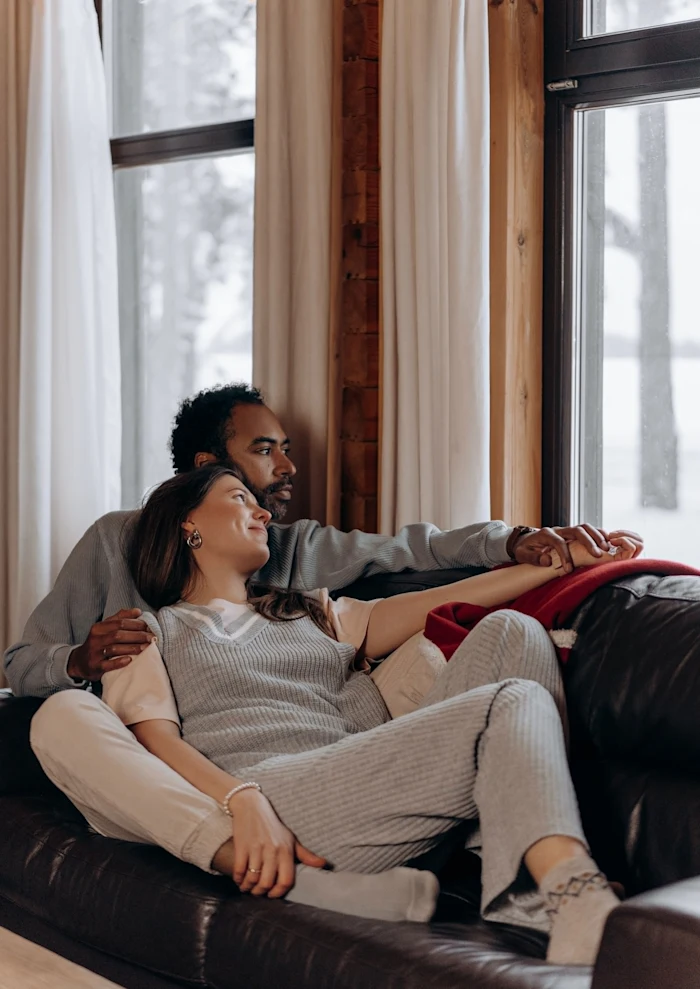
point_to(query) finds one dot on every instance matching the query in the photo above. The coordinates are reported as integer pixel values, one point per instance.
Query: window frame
(180, 143)
(157, 148)
(585, 73)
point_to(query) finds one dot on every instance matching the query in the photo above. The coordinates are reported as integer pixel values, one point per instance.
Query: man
(68, 641)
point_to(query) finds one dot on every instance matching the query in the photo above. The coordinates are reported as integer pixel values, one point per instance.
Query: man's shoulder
(111, 527)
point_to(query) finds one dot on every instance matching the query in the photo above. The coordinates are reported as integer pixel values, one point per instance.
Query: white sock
(397, 894)
(578, 900)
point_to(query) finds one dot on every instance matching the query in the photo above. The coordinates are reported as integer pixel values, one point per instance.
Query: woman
(275, 720)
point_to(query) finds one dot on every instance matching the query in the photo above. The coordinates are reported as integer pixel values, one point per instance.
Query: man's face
(260, 447)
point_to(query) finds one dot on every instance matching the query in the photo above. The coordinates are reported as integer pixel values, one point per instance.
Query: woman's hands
(264, 850)
(627, 545)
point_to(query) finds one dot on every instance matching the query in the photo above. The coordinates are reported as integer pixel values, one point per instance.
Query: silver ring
(104, 653)
(256, 872)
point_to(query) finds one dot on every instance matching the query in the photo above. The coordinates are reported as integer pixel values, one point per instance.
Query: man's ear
(200, 459)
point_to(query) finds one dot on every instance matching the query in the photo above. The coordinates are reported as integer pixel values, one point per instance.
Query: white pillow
(407, 674)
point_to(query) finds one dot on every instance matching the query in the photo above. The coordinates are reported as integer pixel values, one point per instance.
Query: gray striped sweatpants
(487, 745)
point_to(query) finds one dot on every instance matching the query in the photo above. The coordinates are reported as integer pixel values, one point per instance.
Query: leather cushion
(140, 904)
(279, 944)
(130, 900)
(386, 585)
(633, 677)
(20, 771)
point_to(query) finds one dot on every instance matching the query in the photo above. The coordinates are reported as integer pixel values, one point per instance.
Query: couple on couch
(239, 729)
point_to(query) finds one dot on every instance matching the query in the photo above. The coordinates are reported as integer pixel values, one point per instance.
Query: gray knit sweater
(255, 689)
(95, 581)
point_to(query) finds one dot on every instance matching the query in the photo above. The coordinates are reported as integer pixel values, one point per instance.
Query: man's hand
(110, 645)
(624, 546)
(536, 547)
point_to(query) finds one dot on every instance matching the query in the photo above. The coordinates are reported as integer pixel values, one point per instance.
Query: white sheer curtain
(434, 461)
(292, 284)
(68, 469)
(15, 35)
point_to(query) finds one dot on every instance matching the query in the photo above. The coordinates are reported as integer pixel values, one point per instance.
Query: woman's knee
(509, 622)
(522, 694)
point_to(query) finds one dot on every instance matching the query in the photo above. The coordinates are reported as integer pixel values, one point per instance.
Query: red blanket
(551, 604)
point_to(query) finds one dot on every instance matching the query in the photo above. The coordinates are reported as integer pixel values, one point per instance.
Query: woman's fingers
(286, 872)
(253, 871)
(241, 857)
(267, 878)
(633, 539)
(307, 857)
(626, 548)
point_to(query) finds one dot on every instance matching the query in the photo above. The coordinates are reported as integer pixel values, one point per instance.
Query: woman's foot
(397, 894)
(578, 899)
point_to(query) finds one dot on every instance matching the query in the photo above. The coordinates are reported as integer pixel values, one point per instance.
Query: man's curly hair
(203, 423)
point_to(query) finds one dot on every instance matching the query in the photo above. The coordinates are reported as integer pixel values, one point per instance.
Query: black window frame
(582, 73)
(157, 148)
(154, 148)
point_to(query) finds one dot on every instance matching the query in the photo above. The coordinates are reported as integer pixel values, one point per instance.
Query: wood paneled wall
(516, 42)
(359, 302)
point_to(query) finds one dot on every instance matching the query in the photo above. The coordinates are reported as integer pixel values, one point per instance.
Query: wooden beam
(335, 372)
(359, 335)
(516, 54)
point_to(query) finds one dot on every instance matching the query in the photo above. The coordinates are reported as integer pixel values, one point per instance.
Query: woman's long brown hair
(164, 567)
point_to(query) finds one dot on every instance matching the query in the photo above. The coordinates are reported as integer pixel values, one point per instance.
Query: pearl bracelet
(237, 789)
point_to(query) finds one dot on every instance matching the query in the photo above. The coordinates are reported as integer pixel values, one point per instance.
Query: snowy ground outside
(671, 535)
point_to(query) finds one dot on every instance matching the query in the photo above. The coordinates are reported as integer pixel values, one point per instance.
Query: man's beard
(264, 496)
(276, 508)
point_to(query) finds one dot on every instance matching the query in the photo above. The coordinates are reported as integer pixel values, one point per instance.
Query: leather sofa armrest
(20, 771)
(653, 940)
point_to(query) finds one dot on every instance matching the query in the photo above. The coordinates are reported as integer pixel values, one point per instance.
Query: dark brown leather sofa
(146, 920)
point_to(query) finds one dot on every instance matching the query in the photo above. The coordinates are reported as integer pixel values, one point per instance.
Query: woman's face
(232, 526)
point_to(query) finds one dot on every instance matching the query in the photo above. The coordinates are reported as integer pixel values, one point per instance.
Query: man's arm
(306, 555)
(68, 624)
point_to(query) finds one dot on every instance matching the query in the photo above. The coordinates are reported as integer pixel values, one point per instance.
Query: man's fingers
(132, 625)
(129, 635)
(580, 534)
(107, 665)
(556, 540)
(113, 625)
(123, 649)
(597, 535)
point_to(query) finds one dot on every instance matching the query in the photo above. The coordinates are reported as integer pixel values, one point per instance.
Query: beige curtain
(293, 218)
(434, 461)
(15, 36)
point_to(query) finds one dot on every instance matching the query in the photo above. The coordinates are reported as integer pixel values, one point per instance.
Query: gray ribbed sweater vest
(256, 689)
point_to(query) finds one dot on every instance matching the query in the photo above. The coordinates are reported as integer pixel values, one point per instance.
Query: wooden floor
(24, 965)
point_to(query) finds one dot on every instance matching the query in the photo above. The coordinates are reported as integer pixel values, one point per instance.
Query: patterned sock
(578, 899)
(397, 894)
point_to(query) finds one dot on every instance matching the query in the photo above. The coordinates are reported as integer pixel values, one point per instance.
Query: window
(181, 79)
(610, 16)
(622, 330)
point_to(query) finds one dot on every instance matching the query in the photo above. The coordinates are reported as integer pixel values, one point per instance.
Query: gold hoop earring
(194, 540)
